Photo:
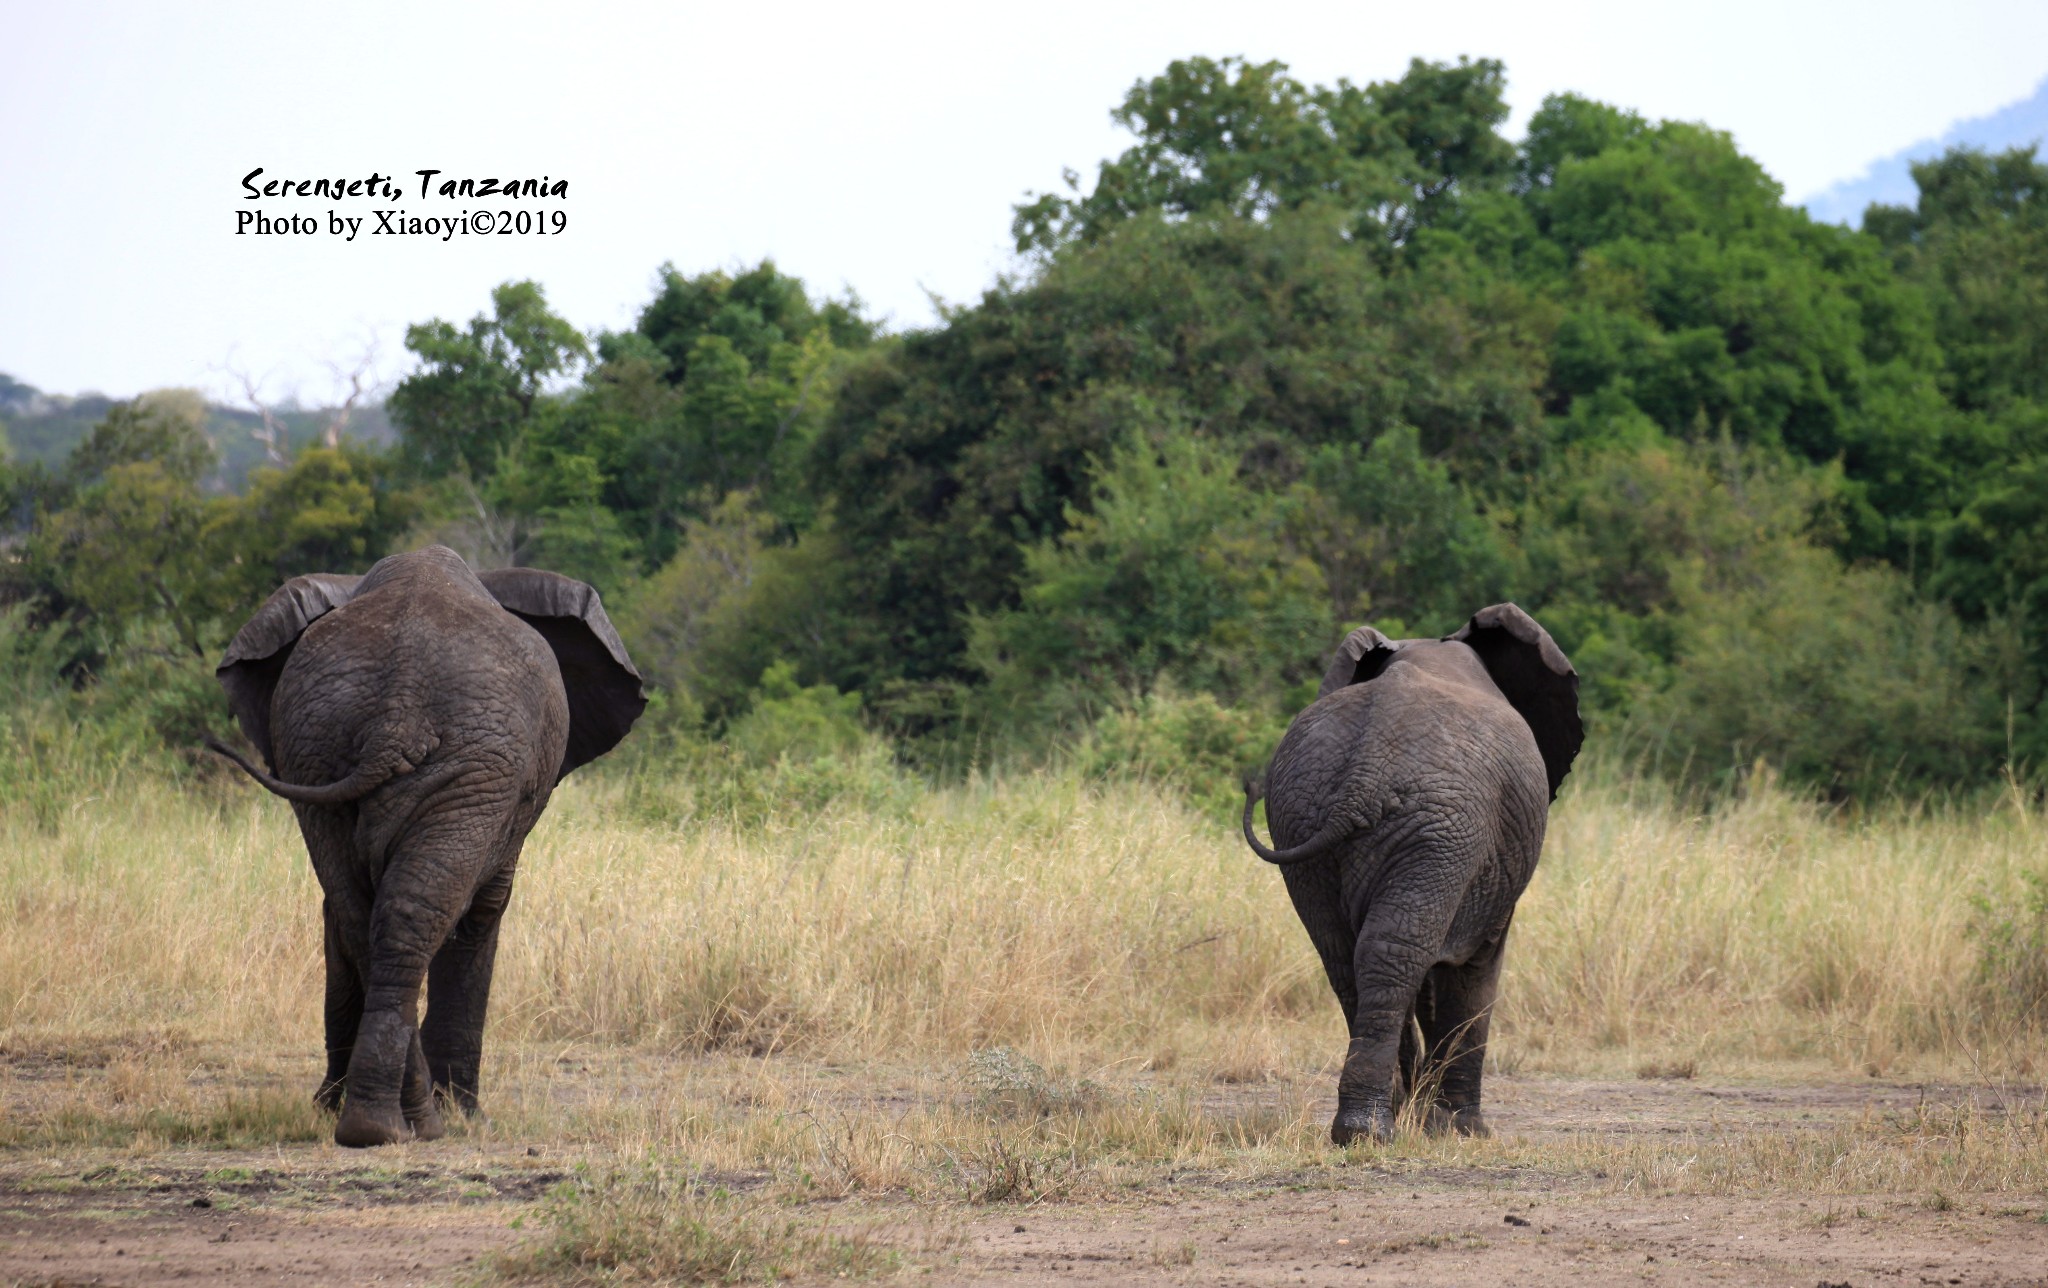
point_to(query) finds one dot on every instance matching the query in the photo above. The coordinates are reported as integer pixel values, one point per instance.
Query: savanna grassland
(909, 934)
(1031, 1024)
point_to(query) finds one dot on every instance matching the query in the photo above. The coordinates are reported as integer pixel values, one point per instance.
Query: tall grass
(1094, 925)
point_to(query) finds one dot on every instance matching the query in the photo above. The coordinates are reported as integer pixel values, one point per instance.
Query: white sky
(876, 145)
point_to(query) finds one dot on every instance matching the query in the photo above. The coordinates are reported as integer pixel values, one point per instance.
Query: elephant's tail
(367, 778)
(1334, 831)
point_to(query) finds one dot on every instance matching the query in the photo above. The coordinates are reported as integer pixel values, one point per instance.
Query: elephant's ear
(1537, 679)
(260, 649)
(1363, 654)
(603, 687)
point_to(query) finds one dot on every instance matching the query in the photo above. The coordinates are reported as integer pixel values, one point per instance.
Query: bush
(797, 750)
(1179, 573)
(659, 1223)
(1842, 679)
(56, 749)
(1191, 742)
(798, 724)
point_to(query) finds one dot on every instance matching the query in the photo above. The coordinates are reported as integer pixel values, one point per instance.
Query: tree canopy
(1301, 356)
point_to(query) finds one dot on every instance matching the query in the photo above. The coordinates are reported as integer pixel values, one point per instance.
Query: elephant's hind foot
(360, 1128)
(427, 1126)
(1470, 1122)
(1375, 1123)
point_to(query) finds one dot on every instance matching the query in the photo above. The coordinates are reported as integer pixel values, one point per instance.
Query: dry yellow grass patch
(1027, 990)
(1096, 927)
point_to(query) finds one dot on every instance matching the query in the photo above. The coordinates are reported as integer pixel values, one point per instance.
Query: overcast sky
(878, 146)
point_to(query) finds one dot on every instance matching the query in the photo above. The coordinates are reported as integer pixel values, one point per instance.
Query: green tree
(1844, 680)
(950, 452)
(1398, 542)
(1977, 240)
(476, 387)
(167, 427)
(328, 510)
(756, 312)
(721, 387)
(1177, 570)
(1224, 136)
(1609, 534)
(129, 550)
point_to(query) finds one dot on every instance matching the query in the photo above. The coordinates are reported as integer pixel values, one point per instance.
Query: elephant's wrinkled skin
(418, 718)
(1410, 800)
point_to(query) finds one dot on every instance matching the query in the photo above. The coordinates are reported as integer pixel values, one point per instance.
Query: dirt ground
(431, 1213)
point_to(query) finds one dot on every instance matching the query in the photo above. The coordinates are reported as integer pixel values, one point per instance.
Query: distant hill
(45, 427)
(1890, 181)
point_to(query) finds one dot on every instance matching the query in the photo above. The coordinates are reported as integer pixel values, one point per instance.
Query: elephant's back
(435, 667)
(1404, 744)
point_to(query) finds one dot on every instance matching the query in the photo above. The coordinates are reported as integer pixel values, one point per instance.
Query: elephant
(1408, 802)
(418, 717)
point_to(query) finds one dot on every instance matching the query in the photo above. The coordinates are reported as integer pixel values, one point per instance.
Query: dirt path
(1402, 1235)
(140, 1247)
(298, 1215)
(429, 1213)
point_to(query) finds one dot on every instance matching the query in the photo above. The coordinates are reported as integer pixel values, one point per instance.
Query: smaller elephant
(1409, 803)
(418, 717)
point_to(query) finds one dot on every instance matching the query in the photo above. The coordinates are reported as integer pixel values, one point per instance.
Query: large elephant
(418, 717)
(1409, 801)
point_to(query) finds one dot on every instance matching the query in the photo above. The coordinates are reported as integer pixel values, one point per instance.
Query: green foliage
(954, 452)
(721, 388)
(796, 749)
(670, 619)
(755, 314)
(1398, 542)
(477, 386)
(1844, 680)
(1302, 356)
(128, 550)
(1189, 741)
(1610, 534)
(166, 428)
(328, 510)
(1246, 139)
(1177, 571)
(1977, 242)
(791, 722)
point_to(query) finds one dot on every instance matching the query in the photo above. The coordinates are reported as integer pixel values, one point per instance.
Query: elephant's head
(1526, 665)
(600, 681)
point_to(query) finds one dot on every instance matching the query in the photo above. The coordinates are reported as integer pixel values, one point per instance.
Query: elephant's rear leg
(1398, 942)
(1317, 892)
(459, 993)
(1455, 1034)
(1409, 1071)
(390, 1093)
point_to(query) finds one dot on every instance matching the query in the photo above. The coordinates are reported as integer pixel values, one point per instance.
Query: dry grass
(655, 1221)
(1095, 928)
(1766, 931)
(1028, 991)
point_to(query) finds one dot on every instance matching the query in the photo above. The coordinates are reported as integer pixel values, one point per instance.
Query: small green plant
(658, 1222)
(1009, 1083)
